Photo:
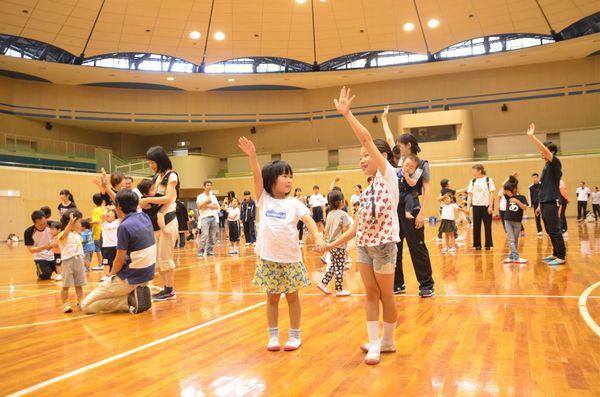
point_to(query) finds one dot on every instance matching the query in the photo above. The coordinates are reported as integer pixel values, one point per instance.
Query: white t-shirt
(109, 233)
(481, 191)
(233, 214)
(207, 212)
(277, 233)
(137, 191)
(501, 200)
(161, 190)
(382, 228)
(70, 247)
(596, 198)
(317, 200)
(583, 193)
(448, 211)
(355, 198)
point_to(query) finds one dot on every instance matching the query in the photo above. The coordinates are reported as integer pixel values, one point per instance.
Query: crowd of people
(132, 230)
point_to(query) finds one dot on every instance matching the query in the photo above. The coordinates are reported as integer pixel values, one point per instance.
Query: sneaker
(139, 300)
(301, 242)
(507, 260)
(373, 356)
(426, 292)
(247, 245)
(164, 296)
(401, 290)
(444, 250)
(103, 278)
(557, 262)
(343, 293)
(67, 308)
(540, 234)
(58, 277)
(439, 240)
(521, 261)
(549, 259)
(488, 248)
(452, 250)
(273, 345)
(53, 276)
(98, 268)
(460, 238)
(522, 234)
(292, 344)
(200, 254)
(161, 292)
(383, 348)
(210, 254)
(477, 248)
(565, 235)
(324, 288)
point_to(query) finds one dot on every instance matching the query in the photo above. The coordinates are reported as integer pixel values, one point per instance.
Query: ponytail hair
(384, 148)
(480, 168)
(67, 192)
(406, 139)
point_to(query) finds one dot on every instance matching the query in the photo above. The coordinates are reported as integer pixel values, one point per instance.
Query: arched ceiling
(277, 28)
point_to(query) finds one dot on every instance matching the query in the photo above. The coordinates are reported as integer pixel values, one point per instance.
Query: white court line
(60, 320)
(27, 297)
(130, 352)
(584, 311)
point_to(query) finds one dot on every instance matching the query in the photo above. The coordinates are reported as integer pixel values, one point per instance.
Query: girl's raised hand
(531, 129)
(343, 103)
(247, 146)
(386, 110)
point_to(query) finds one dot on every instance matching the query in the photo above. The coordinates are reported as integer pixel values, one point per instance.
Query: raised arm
(364, 137)
(248, 147)
(65, 233)
(389, 136)
(547, 154)
(334, 182)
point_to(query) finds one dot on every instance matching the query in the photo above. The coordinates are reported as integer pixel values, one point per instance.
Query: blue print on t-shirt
(275, 214)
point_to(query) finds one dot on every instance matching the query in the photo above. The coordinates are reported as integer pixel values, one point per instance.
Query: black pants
(300, 229)
(250, 232)
(181, 240)
(563, 217)
(552, 224)
(415, 238)
(538, 218)
(596, 208)
(581, 209)
(44, 269)
(480, 214)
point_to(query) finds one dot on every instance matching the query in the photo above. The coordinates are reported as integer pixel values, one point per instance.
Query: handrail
(45, 167)
(49, 146)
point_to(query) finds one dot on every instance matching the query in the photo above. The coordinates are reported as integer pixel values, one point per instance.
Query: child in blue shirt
(88, 243)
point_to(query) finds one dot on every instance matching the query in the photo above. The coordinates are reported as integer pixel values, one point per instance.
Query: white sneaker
(103, 278)
(452, 250)
(292, 344)
(565, 235)
(67, 308)
(438, 240)
(521, 261)
(324, 288)
(444, 250)
(343, 293)
(373, 356)
(540, 234)
(301, 242)
(460, 238)
(508, 260)
(273, 345)
(58, 277)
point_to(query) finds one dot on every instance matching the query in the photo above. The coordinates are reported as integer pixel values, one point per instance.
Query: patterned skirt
(280, 278)
(448, 226)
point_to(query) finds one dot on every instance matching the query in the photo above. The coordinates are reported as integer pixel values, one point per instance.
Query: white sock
(388, 333)
(273, 332)
(373, 332)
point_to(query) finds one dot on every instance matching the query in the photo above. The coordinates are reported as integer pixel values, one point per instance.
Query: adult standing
(481, 199)
(166, 183)
(208, 207)
(550, 197)
(412, 229)
(534, 201)
(583, 195)
(596, 202)
(67, 202)
(562, 208)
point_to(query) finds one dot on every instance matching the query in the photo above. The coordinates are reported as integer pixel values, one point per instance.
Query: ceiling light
(219, 36)
(170, 78)
(231, 80)
(300, 1)
(433, 23)
(408, 27)
(195, 35)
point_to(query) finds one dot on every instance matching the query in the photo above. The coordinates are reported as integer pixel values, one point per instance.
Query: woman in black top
(67, 201)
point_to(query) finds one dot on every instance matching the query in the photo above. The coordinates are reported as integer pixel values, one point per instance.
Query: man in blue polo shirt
(126, 288)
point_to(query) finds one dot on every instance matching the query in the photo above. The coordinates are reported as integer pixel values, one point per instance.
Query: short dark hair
(535, 174)
(444, 183)
(298, 189)
(86, 224)
(55, 225)
(144, 186)
(413, 157)
(335, 198)
(206, 182)
(127, 200)
(97, 199)
(369, 179)
(35, 215)
(358, 186)
(116, 178)
(160, 157)
(510, 187)
(247, 193)
(316, 187)
(65, 218)
(114, 211)
(551, 146)
(271, 171)
(130, 178)
(47, 211)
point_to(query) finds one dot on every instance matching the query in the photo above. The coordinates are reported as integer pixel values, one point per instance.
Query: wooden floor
(492, 329)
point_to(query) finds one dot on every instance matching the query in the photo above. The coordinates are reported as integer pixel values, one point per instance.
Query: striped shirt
(136, 236)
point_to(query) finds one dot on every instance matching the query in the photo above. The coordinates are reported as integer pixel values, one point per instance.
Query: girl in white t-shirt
(377, 232)
(110, 224)
(233, 223)
(280, 269)
(448, 223)
(355, 198)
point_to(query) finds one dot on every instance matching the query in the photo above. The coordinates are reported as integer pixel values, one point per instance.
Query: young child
(516, 205)
(337, 223)
(408, 182)
(355, 198)
(279, 269)
(448, 224)
(71, 252)
(377, 231)
(147, 188)
(55, 229)
(96, 223)
(110, 224)
(317, 203)
(88, 243)
(233, 223)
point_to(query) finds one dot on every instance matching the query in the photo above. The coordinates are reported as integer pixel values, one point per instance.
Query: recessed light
(170, 78)
(231, 80)
(219, 36)
(256, 35)
(471, 15)
(433, 23)
(362, 31)
(195, 35)
(408, 27)
(25, 11)
(300, 1)
(147, 30)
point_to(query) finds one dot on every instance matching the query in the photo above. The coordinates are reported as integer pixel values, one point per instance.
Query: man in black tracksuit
(534, 200)
(248, 217)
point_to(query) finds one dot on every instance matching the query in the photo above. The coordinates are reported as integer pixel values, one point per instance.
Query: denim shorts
(381, 257)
